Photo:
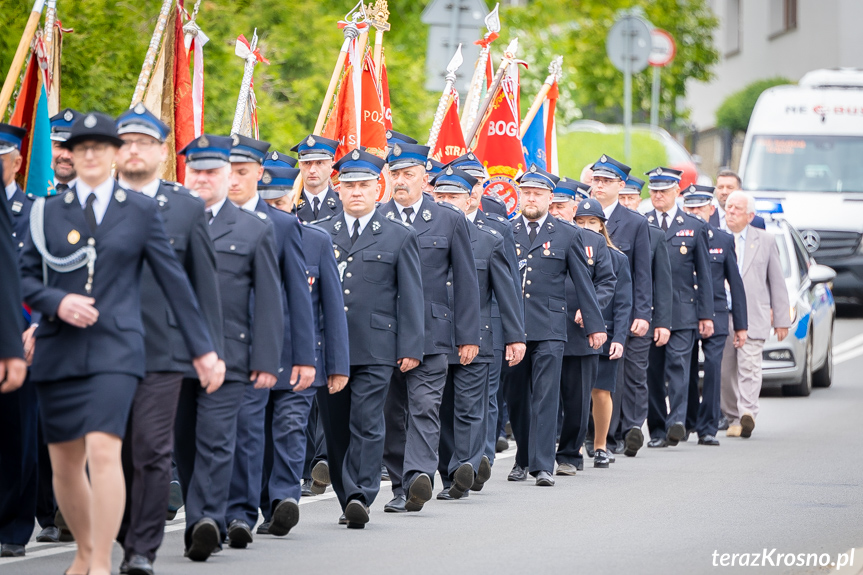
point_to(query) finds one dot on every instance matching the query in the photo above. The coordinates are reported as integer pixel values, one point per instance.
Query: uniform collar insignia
(426, 215)
(331, 202)
(710, 233)
(679, 219)
(161, 198)
(16, 207)
(390, 214)
(337, 226)
(649, 218)
(120, 196)
(376, 225)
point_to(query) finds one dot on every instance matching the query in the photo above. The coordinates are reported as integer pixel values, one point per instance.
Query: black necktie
(210, 216)
(664, 225)
(408, 212)
(90, 214)
(316, 206)
(60, 188)
(356, 235)
(534, 229)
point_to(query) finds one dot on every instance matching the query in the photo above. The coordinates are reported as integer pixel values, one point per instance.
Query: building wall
(752, 46)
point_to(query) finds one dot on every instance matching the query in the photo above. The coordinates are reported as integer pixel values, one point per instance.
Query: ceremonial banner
(450, 142)
(533, 142)
(550, 129)
(373, 128)
(31, 113)
(342, 123)
(385, 96)
(183, 120)
(498, 145)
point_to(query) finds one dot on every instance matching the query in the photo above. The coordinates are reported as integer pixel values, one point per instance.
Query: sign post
(628, 46)
(661, 55)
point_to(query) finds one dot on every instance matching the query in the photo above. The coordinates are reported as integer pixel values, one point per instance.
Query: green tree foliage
(102, 58)
(735, 111)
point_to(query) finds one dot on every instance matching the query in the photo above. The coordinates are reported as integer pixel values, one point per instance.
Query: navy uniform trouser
(533, 399)
(147, 450)
(668, 374)
(630, 394)
(316, 446)
(285, 424)
(19, 463)
(577, 375)
(354, 428)
(703, 417)
(495, 407)
(463, 418)
(205, 438)
(248, 466)
(413, 421)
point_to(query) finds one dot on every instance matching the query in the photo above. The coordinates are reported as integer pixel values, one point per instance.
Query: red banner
(450, 142)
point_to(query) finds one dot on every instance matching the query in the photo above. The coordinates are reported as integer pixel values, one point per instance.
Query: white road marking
(176, 524)
(855, 344)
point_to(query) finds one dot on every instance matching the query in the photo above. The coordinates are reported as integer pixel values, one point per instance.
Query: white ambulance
(804, 148)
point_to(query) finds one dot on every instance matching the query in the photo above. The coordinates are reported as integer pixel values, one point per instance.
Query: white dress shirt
(310, 197)
(251, 205)
(150, 190)
(364, 220)
(540, 221)
(103, 196)
(10, 190)
(416, 208)
(216, 207)
(670, 217)
(607, 211)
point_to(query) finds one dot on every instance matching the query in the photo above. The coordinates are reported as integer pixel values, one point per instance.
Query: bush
(735, 111)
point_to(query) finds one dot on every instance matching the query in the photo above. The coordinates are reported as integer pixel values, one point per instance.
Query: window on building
(732, 27)
(783, 16)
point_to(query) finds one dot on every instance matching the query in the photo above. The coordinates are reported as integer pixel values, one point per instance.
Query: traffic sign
(628, 44)
(663, 48)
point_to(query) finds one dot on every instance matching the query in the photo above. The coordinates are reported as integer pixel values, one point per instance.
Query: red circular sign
(506, 189)
(663, 48)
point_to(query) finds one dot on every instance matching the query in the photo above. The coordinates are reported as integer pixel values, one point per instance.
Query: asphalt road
(796, 486)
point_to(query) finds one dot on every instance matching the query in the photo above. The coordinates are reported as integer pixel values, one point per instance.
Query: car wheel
(824, 376)
(804, 387)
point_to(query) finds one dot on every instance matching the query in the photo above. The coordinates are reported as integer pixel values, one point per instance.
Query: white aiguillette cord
(84, 256)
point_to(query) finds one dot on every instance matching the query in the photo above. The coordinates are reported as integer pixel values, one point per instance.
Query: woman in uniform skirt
(616, 315)
(89, 351)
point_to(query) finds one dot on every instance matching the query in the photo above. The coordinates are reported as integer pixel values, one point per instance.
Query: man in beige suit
(767, 304)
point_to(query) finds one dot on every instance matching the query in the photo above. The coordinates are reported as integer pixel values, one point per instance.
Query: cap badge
(429, 166)
(603, 158)
(470, 156)
(449, 171)
(692, 189)
(586, 205)
(355, 155)
(235, 140)
(275, 156)
(68, 115)
(397, 150)
(90, 121)
(533, 168)
(139, 108)
(658, 171)
(267, 178)
(120, 196)
(74, 237)
(310, 141)
(426, 215)
(203, 142)
(389, 135)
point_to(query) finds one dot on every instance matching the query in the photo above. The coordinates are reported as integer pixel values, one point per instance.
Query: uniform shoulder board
(31, 196)
(573, 224)
(486, 229)
(326, 219)
(450, 206)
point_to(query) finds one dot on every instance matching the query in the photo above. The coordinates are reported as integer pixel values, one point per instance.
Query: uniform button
(389, 325)
(172, 241)
(20, 244)
(233, 248)
(319, 343)
(242, 336)
(530, 257)
(696, 286)
(527, 295)
(351, 258)
(486, 327)
(379, 256)
(349, 274)
(530, 269)
(528, 282)
(346, 308)
(281, 369)
(347, 292)
(449, 283)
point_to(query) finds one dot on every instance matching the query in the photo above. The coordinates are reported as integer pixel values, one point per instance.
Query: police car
(804, 359)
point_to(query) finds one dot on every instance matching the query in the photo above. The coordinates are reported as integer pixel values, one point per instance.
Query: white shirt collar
(364, 220)
(671, 214)
(251, 205)
(11, 189)
(149, 190)
(415, 206)
(103, 196)
(310, 196)
(742, 233)
(71, 183)
(472, 216)
(607, 211)
(540, 221)
(215, 208)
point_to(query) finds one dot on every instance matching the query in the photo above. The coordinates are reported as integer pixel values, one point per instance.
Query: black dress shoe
(708, 440)
(444, 495)
(240, 534)
(501, 444)
(385, 475)
(175, 497)
(420, 492)
(676, 433)
(139, 565)
(658, 442)
(356, 514)
(11, 550)
(396, 505)
(483, 474)
(633, 441)
(579, 464)
(263, 528)
(320, 477)
(610, 454)
(306, 488)
(723, 423)
(618, 448)
(343, 520)
(588, 447)
(517, 473)
(50, 534)
(205, 538)
(124, 567)
(286, 515)
(600, 459)
(544, 479)
(462, 480)
(65, 534)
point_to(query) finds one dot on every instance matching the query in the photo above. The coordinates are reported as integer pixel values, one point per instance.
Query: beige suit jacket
(764, 283)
